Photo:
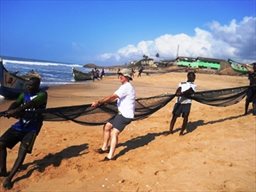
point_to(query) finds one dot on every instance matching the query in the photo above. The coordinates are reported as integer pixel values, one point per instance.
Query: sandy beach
(219, 154)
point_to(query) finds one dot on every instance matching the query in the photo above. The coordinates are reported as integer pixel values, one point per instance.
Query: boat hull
(238, 67)
(9, 93)
(81, 76)
(11, 84)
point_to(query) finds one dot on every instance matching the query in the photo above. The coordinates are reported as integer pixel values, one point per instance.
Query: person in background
(133, 72)
(118, 72)
(102, 74)
(25, 130)
(140, 71)
(93, 74)
(97, 74)
(251, 93)
(183, 104)
(125, 97)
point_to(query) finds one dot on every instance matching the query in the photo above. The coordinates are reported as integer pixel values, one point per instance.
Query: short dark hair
(191, 73)
(35, 80)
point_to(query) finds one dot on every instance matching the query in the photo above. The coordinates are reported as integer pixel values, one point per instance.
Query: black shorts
(181, 109)
(11, 137)
(119, 122)
(251, 94)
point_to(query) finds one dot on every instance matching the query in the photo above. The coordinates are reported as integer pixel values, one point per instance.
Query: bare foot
(7, 183)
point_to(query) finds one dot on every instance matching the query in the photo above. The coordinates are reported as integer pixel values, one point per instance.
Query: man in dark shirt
(251, 94)
(24, 130)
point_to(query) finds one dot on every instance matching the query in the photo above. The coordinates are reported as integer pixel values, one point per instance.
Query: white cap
(126, 72)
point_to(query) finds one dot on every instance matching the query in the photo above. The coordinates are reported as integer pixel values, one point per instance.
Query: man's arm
(17, 108)
(107, 99)
(188, 92)
(178, 92)
(2, 113)
(13, 108)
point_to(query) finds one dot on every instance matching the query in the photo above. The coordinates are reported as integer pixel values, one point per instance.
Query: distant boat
(238, 67)
(11, 85)
(81, 76)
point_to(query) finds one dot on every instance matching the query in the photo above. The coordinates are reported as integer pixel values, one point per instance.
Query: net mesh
(87, 115)
(221, 97)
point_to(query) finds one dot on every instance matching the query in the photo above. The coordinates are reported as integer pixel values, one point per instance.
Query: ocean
(52, 73)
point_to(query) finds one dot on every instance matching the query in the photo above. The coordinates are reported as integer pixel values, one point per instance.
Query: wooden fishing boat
(11, 84)
(81, 76)
(238, 67)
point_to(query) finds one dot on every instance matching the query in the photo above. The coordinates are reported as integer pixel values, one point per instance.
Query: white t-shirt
(185, 86)
(126, 100)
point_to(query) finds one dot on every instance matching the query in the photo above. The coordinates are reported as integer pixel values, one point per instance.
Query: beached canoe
(81, 76)
(238, 67)
(11, 85)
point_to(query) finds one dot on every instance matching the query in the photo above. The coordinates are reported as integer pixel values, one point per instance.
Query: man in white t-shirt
(183, 104)
(125, 97)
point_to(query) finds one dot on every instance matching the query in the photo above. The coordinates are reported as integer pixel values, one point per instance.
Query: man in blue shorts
(25, 130)
(125, 97)
(183, 104)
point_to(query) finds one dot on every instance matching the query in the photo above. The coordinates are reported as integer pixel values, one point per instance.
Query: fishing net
(87, 115)
(221, 97)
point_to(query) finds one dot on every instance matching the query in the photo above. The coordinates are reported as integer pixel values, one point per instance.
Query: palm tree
(145, 57)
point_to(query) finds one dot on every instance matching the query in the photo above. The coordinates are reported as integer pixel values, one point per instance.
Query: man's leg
(254, 108)
(246, 106)
(184, 124)
(3, 156)
(172, 123)
(113, 142)
(19, 161)
(8, 139)
(26, 146)
(106, 135)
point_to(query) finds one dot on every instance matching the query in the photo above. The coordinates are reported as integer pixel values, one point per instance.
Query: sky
(110, 32)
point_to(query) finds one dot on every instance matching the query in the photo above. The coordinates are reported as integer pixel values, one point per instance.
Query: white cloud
(235, 40)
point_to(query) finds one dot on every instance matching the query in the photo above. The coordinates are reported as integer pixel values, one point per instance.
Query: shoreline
(164, 84)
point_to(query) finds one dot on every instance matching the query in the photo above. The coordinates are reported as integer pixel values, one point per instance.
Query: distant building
(165, 63)
(188, 59)
(199, 62)
(147, 62)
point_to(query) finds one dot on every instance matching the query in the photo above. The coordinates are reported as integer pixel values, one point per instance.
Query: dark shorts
(11, 137)
(181, 109)
(251, 94)
(119, 122)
